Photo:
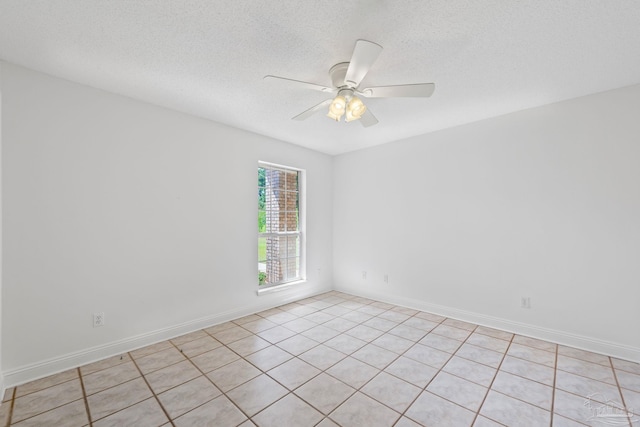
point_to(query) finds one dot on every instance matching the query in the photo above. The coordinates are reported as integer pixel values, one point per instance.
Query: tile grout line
(265, 372)
(302, 360)
(490, 386)
(423, 389)
(321, 371)
(398, 356)
(15, 392)
(11, 405)
(528, 379)
(553, 389)
(439, 370)
(394, 360)
(584, 376)
(294, 356)
(135, 363)
(555, 369)
(380, 370)
(222, 392)
(84, 396)
(346, 355)
(624, 404)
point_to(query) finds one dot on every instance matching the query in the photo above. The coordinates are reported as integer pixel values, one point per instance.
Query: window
(279, 230)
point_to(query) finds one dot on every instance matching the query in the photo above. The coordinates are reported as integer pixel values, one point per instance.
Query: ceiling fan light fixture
(355, 109)
(337, 107)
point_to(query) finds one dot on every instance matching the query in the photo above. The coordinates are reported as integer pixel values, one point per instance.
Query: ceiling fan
(346, 78)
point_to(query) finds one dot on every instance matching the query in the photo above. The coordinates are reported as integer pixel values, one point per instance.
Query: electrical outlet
(386, 279)
(364, 275)
(98, 319)
(525, 302)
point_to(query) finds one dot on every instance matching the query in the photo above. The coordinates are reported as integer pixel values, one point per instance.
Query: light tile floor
(337, 360)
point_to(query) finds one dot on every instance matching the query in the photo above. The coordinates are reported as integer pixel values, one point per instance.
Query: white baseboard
(607, 348)
(62, 363)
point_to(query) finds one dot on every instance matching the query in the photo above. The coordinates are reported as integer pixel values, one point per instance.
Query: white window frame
(301, 228)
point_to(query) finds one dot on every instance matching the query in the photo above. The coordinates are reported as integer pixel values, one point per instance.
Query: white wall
(543, 203)
(147, 214)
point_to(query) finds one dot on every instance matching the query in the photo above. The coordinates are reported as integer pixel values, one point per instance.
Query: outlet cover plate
(98, 319)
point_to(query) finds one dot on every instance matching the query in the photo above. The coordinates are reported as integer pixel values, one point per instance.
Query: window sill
(278, 288)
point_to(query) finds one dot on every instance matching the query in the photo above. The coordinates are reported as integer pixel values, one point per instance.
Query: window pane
(272, 198)
(292, 181)
(275, 178)
(293, 268)
(275, 210)
(293, 245)
(262, 273)
(271, 223)
(262, 250)
(275, 246)
(292, 221)
(262, 221)
(291, 200)
(261, 198)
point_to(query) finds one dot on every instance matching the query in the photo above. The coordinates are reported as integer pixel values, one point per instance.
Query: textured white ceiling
(208, 58)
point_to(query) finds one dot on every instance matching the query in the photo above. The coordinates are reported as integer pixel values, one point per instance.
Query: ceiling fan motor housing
(338, 73)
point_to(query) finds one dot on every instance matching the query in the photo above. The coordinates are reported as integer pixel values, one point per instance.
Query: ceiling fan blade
(420, 90)
(311, 111)
(300, 84)
(368, 119)
(364, 55)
